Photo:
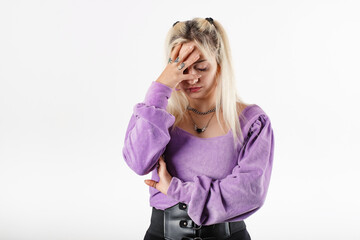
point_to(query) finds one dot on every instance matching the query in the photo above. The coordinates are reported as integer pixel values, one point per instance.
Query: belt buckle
(196, 227)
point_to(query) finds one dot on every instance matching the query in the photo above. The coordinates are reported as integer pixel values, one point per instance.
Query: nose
(192, 82)
(192, 71)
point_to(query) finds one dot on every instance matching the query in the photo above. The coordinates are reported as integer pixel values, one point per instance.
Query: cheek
(208, 76)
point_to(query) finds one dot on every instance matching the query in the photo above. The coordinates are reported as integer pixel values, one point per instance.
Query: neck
(202, 106)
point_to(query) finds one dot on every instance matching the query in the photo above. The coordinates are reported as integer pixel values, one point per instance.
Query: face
(207, 69)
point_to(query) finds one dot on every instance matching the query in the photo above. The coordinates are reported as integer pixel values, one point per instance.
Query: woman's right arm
(147, 133)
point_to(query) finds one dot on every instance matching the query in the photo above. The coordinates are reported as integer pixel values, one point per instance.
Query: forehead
(188, 44)
(207, 57)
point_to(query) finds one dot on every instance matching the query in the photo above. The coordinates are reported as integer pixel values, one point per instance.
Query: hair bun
(175, 23)
(210, 20)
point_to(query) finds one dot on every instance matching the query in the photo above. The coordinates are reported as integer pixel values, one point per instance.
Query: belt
(174, 223)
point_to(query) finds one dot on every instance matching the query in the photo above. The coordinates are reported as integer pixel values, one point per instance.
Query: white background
(71, 72)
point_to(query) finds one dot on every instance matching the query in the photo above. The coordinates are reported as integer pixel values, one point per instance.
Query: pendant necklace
(196, 128)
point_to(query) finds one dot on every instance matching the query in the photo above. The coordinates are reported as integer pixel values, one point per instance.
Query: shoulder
(249, 110)
(240, 107)
(251, 115)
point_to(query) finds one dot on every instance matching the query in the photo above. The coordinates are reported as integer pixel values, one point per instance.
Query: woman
(207, 175)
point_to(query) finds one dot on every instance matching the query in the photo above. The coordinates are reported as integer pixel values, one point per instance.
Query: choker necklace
(200, 130)
(198, 112)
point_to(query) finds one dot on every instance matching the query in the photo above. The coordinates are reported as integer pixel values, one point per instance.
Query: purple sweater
(217, 181)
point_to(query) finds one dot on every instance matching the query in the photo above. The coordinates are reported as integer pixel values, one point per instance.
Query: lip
(194, 89)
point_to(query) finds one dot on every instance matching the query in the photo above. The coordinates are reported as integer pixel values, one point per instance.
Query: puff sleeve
(239, 194)
(147, 133)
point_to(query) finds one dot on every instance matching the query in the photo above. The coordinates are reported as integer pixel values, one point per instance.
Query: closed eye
(202, 69)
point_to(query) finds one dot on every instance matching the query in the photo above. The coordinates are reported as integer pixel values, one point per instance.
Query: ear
(217, 75)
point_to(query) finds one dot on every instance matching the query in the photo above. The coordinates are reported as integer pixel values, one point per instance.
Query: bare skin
(214, 128)
(172, 76)
(198, 72)
(164, 175)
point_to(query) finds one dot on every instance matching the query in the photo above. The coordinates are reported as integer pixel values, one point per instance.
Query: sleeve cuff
(158, 95)
(180, 191)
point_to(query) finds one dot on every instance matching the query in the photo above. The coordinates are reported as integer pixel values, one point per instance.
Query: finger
(189, 76)
(185, 52)
(177, 89)
(193, 57)
(150, 183)
(175, 51)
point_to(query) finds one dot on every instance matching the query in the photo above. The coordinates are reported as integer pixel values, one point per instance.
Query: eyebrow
(199, 61)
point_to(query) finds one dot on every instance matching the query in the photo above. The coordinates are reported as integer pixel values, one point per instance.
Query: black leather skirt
(174, 223)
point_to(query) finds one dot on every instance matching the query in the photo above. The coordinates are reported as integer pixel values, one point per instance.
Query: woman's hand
(164, 175)
(172, 75)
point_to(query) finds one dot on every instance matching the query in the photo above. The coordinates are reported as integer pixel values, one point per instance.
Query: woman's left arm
(241, 193)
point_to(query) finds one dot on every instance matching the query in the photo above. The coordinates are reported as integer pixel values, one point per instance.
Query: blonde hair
(211, 39)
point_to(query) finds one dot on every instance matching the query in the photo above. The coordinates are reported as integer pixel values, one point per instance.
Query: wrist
(165, 83)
